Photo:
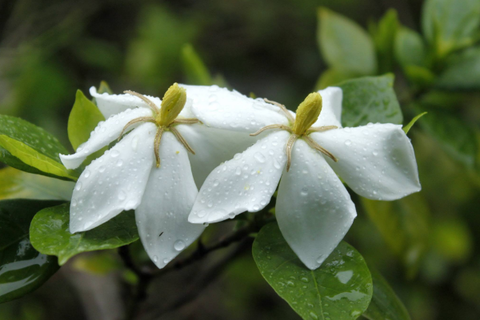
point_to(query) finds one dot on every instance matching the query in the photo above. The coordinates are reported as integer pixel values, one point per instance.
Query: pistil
(301, 126)
(164, 118)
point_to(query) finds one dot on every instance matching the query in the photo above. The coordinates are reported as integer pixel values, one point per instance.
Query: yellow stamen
(317, 147)
(156, 145)
(283, 108)
(181, 139)
(134, 121)
(288, 149)
(149, 103)
(272, 126)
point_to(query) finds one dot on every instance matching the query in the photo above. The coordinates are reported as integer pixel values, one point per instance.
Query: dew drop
(259, 157)
(122, 196)
(115, 153)
(201, 213)
(86, 174)
(155, 258)
(304, 191)
(135, 143)
(348, 142)
(179, 245)
(78, 187)
(101, 169)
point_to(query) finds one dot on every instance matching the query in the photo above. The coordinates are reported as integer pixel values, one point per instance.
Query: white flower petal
(220, 108)
(245, 183)
(105, 132)
(331, 107)
(110, 104)
(162, 217)
(314, 210)
(377, 160)
(114, 182)
(212, 147)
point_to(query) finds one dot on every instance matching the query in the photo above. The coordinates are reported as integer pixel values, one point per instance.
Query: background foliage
(426, 246)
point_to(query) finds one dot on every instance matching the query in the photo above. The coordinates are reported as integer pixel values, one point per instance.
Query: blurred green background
(51, 48)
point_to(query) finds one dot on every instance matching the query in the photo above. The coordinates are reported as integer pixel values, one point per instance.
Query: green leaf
(412, 122)
(449, 25)
(50, 234)
(83, 119)
(331, 77)
(370, 99)
(383, 37)
(456, 137)
(462, 71)
(22, 268)
(404, 225)
(104, 88)
(19, 184)
(345, 46)
(34, 147)
(385, 304)
(410, 48)
(194, 68)
(340, 289)
(419, 75)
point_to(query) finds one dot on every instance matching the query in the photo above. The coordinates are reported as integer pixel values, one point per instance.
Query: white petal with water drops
(245, 183)
(331, 107)
(377, 160)
(111, 104)
(314, 210)
(105, 189)
(220, 108)
(105, 132)
(212, 147)
(162, 217)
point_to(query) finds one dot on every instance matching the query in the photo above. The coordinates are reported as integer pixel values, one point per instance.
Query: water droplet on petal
(115, 153)
(78, 187)
(259, 157)
(179, 245)
(348, 142)
(86, 174)
(101, 169)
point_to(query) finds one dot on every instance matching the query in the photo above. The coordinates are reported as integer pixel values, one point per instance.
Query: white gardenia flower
(152, 168)
(314, 210)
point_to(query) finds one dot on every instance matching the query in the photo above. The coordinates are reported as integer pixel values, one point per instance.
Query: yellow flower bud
(172, 104)
(307, 113)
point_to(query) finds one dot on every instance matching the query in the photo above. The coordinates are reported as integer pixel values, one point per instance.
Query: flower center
(301, 127)
(165, 118)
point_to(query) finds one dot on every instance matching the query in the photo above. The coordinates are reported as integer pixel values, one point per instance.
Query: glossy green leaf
(383, 37)
(24, 185)
(34, 147)
(462, 71)
(49, 233)
(83, 119)
(22, 268)
(404, 225)
(410, 48)
(370, 99)
(345, 46)
(407, 128)
(340, 289)
(449, 25)
(456, 137)
(385, 304)
(194, 68)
